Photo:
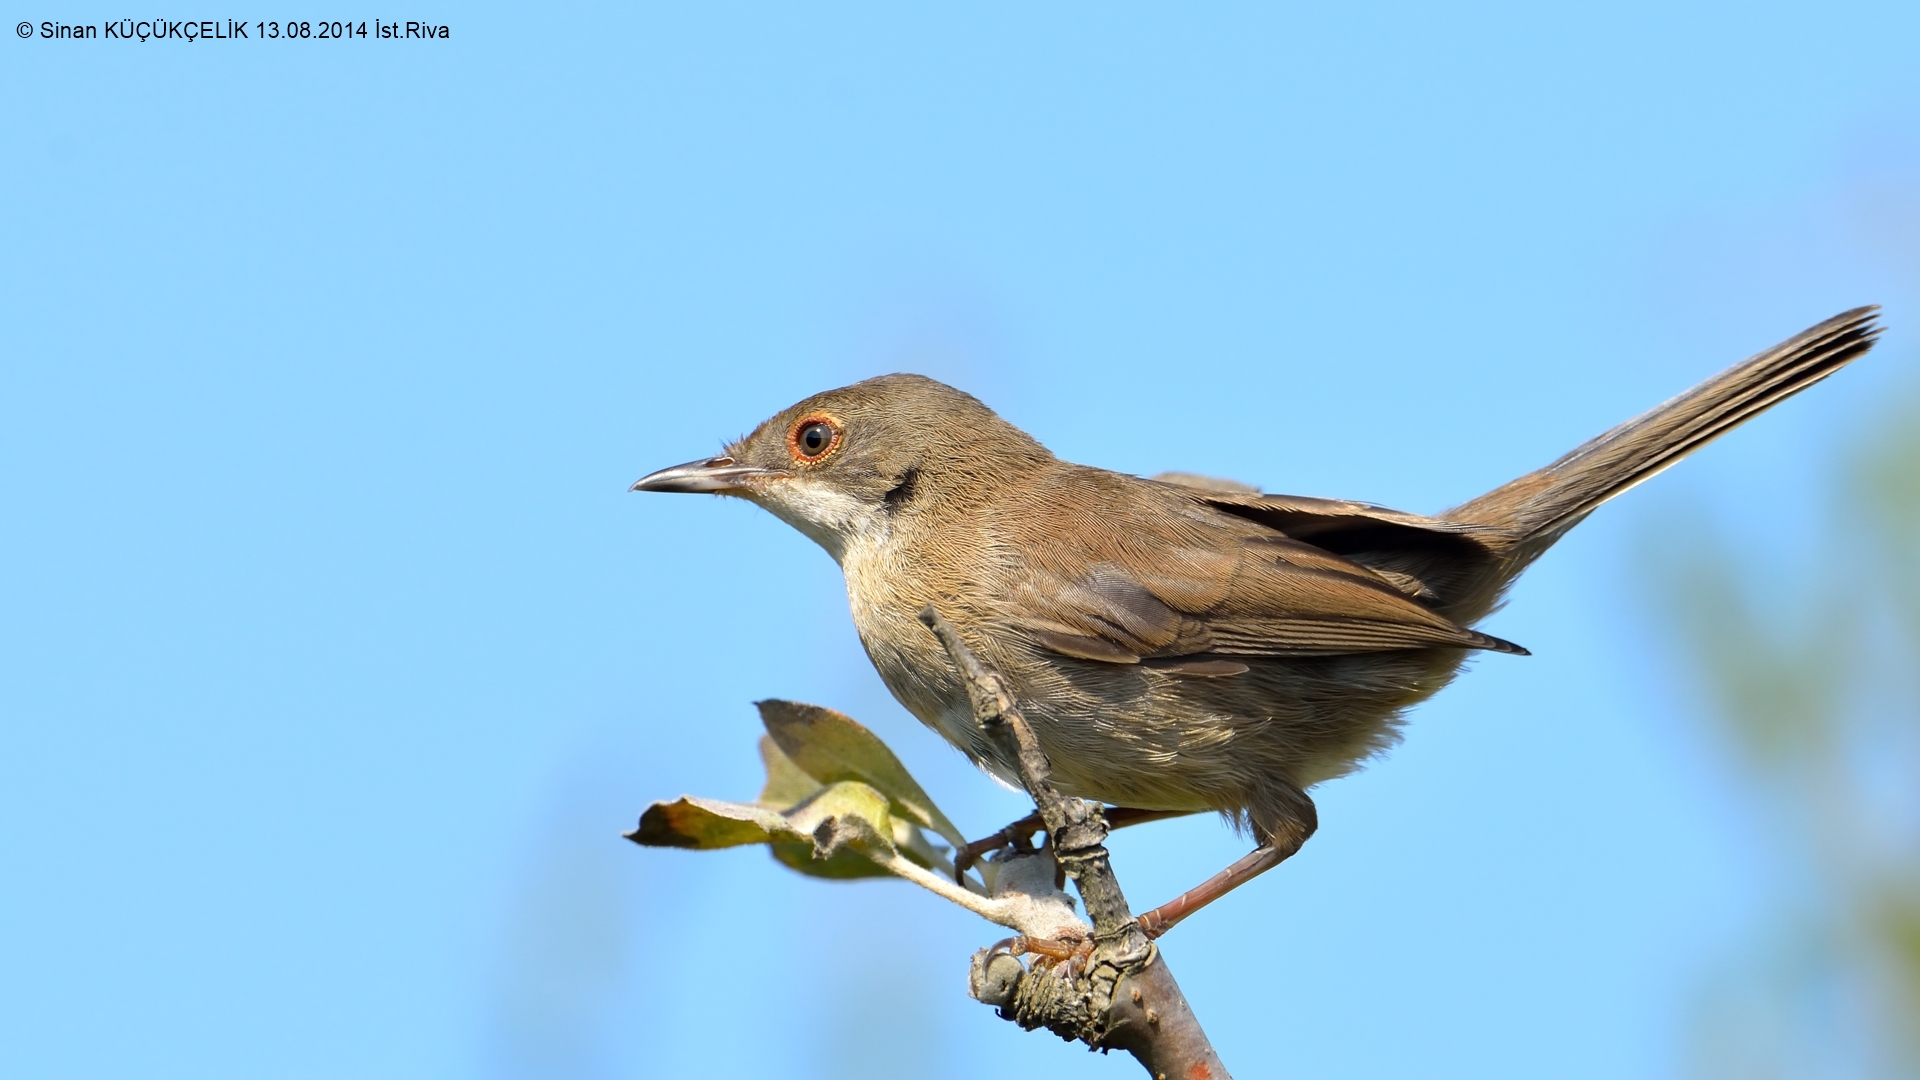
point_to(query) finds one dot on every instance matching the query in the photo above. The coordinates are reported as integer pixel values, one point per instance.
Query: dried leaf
(707, 824)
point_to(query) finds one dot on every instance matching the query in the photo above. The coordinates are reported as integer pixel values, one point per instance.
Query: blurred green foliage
(1813, 674)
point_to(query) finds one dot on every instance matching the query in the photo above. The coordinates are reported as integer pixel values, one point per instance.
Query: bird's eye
(814, 437)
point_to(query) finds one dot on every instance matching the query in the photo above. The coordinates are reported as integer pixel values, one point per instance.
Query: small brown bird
(1182, 644)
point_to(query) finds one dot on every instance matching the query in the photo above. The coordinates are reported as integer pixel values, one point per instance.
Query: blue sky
(334, 656)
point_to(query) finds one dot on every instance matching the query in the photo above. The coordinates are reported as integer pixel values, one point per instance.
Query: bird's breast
(888, 584)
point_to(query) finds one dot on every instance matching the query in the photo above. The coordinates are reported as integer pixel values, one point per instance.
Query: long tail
(1536, 509)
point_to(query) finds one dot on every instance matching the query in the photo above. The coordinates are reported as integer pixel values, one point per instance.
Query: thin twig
(1123, 996)
(941, 885)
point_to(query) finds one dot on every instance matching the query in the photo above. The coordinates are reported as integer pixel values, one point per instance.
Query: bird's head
(847, 464)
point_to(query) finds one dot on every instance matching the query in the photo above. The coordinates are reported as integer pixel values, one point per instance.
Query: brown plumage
(1182, 644)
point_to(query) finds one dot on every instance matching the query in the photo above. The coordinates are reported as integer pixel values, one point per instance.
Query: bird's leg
(1161, 919)
(1281, 844)
(1019, 835)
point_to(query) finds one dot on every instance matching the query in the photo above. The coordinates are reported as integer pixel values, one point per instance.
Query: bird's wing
(1432, 559)
(1182, 605)
(1302, 512)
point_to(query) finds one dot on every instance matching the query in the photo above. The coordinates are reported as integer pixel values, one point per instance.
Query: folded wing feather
(1194, 606)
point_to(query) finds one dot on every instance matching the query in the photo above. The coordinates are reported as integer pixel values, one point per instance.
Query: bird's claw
(1068, 951)
(1017, 836)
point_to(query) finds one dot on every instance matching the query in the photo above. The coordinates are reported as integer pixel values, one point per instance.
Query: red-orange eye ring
(814, 437)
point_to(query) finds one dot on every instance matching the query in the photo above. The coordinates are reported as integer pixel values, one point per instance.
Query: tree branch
(1115, 991)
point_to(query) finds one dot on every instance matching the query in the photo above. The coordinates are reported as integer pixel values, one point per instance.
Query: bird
(1182, 644)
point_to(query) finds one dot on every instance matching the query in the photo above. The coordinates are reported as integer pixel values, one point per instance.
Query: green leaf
(838, 831)
(833, 828)
(848, 865)
(786, 785)
(843, 815)
(843, 822)
(831, 747)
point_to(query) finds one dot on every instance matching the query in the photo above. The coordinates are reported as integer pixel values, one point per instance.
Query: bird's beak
(714, 476)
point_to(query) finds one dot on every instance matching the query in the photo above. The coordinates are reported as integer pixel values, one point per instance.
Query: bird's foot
(1017, 836)
(1070, 951)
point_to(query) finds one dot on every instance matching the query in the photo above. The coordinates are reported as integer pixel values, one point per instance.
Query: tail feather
(1536, 509)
